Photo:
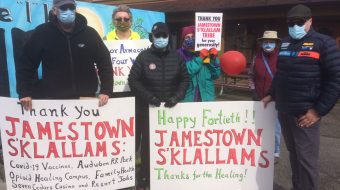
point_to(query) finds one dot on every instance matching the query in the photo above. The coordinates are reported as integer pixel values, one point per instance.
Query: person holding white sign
(203, 68)
(68, 50)
(305, 87)
(122, 21)
(261, 74)
(158, 75)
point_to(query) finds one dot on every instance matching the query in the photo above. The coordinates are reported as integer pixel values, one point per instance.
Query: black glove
(255, 96)
(155, 102)
(171, 102)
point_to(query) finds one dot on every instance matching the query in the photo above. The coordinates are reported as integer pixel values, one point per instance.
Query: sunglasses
(161, 35)
(292, 23)
(71, 7)
(122, 19)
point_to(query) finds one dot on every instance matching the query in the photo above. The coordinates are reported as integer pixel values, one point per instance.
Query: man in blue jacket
(305, 88)
(70, 53)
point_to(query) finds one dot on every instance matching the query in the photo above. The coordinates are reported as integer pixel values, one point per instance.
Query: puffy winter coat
(308, 74)
(158, 74)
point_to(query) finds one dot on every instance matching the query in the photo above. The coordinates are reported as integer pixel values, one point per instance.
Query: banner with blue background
(19, 17)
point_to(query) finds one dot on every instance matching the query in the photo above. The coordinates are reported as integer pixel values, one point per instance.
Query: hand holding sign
(171, 102)
(213, 53)
(204, 53)
(155, 102)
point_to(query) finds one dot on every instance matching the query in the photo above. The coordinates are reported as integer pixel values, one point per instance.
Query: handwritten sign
(208, 31)
(68, 144)
(123, 54)
(219, 145)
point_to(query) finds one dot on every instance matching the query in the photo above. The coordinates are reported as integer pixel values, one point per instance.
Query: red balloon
(233, 62)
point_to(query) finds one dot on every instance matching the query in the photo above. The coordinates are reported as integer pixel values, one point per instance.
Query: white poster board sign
(123, 54)
(212, 145)
(68, 144)
(208, 31)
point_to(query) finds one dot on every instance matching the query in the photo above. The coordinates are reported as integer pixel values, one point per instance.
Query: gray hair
(122, 8)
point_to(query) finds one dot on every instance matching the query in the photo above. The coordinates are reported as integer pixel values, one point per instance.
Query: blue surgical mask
(268, 46)
(297, 32)
(160, 43)
(189, 43)
(67, 17)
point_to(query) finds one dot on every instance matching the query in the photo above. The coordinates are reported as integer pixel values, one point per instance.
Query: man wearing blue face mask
(69, 52)
(305, 88)
(158, 75)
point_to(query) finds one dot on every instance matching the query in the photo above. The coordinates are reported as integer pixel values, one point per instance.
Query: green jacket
(203, 75)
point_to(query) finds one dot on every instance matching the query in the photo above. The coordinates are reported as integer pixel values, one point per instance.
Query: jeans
(277, 138)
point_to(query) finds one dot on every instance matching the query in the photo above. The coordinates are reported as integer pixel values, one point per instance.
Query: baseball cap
(299, 11)
(59, 3)
(159, 27)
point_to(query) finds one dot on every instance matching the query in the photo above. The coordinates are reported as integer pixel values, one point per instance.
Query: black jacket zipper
(71, 66)
(163, 75)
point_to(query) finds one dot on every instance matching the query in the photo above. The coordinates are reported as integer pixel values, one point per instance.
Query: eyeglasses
(122, 19)
(161, 35)
(71, 7)
(292, 23)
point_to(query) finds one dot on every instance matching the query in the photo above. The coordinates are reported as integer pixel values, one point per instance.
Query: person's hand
(171, 102)
(266, 100)
(255, 96)
(310, 118)
(26, 103)
(204, 53)
(155, 102)
(213, 53)
(103, 99)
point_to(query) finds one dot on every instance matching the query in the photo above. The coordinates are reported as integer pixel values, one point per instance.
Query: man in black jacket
(69, 51)
(158, 75)
(305, 88)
